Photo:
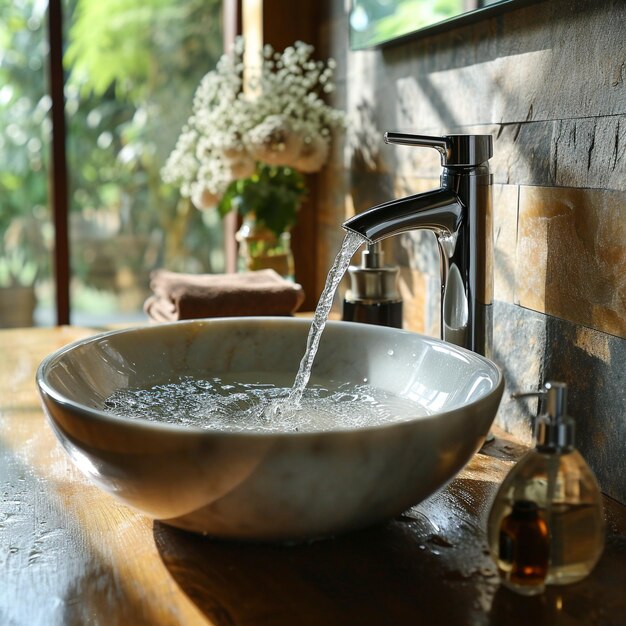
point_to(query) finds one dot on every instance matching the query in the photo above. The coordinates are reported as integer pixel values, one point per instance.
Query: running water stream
(350, 245)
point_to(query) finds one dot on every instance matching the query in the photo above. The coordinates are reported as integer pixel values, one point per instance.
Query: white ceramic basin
(269, 486)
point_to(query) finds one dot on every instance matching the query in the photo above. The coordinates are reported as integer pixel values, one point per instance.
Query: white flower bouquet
(247, 149)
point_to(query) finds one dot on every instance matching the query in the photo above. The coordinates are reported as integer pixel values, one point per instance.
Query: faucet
(460, 215)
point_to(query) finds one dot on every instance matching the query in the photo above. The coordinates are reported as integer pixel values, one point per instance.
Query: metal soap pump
(373, 296)
(546, 525)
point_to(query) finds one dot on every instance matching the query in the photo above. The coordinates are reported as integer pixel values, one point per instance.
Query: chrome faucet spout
(460, 215)
(439, 210)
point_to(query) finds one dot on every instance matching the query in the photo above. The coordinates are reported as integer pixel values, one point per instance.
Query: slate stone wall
(548, 81)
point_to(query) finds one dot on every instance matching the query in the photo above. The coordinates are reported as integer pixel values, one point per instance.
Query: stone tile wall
(548, 81)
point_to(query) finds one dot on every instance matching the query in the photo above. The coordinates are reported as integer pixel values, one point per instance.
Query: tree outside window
(131, 69)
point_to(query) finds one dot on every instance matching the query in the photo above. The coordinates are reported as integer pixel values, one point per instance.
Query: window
(130, 70)
(26, 233)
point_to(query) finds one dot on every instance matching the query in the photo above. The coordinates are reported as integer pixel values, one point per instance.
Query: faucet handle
(455, 150)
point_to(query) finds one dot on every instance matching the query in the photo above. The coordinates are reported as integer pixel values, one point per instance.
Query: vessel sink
(282, 486)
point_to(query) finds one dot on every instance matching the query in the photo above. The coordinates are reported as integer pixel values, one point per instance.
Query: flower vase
(260, 248)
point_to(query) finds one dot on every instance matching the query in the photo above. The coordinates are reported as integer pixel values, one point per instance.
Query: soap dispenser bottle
(373, 296)
(546, 525)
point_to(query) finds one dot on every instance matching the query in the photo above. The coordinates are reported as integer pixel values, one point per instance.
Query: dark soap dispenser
(546, 525)
(373, 297)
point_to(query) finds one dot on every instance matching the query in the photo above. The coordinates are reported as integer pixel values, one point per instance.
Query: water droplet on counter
(438, 540)
(33, 556)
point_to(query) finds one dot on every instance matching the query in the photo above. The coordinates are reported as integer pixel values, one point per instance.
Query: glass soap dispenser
(546, 525)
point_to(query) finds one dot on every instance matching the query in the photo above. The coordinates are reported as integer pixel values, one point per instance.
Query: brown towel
(188, 296)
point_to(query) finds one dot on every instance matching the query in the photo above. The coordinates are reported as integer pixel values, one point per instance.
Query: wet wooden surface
(70, 555)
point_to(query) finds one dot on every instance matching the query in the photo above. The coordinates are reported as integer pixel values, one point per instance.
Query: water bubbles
(274, 410)
(246, 405)
(390, 352)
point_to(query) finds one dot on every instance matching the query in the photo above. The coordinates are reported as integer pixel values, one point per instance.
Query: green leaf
(273, 194)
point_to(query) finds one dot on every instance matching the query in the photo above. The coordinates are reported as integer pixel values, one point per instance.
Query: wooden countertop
(70, 555)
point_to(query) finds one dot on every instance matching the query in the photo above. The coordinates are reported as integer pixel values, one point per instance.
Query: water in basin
(244, 404)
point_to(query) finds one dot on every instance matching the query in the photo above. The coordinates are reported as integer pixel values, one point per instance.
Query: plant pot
(260, 248)
(17, 306)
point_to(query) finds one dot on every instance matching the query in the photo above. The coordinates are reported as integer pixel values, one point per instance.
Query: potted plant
(24, 257)
(17, 289)
(254, 132)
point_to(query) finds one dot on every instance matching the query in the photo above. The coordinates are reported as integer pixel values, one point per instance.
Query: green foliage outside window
(131, 69)
(134, 65)
(25, 232)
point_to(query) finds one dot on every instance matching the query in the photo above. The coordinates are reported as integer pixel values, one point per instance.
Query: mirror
(374, 23)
